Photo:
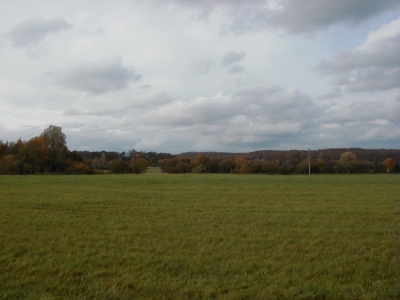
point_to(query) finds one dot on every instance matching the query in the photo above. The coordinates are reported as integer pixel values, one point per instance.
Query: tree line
(289, 163)
(48, 153)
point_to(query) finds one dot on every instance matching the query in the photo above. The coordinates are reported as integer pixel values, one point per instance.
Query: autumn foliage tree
(100, 163)
(55, 141)
(389, 164)
(38, 153)
(10, 164)
(119, 166)
(140, 165)
(49, 153)
(175, 165)
(227, 166)
(200, 163)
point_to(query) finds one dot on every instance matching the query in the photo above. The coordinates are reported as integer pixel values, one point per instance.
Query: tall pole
(309, 163)
(133, 160)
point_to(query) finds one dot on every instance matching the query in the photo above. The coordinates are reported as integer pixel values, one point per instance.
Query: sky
(202, 75)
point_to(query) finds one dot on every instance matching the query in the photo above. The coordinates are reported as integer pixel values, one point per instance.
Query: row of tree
(346, 163)
(48, 153)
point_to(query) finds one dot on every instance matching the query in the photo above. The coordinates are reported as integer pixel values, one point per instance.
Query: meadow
(199, 236)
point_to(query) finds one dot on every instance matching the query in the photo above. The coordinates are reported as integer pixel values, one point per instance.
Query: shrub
(120, 167)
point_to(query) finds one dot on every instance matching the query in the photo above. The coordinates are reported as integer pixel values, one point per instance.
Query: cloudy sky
(202, 75)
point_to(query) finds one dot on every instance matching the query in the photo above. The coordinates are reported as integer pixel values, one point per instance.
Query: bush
(120, 167)
(140, 166)
(76, 167)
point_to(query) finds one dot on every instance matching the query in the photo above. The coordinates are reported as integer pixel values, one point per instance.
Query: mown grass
(192, 236)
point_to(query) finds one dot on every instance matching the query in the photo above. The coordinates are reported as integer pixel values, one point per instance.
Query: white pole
(309, 163)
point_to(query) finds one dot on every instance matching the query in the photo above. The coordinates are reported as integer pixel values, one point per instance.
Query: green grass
(158, 236)
(152, 170)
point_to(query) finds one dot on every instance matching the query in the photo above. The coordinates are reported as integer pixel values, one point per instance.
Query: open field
(160, 236)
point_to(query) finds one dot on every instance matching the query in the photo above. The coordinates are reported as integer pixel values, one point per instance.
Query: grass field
(160, 236)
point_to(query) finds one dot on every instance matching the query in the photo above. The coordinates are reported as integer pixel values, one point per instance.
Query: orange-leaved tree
(140, 165)
(38, 153)
(389, 164)
(200, 164)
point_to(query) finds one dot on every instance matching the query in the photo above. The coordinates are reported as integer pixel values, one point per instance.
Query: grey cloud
(234, 69)
(145, 86)
(359, 134)
(99, 31)
(97, 78)
(33, 31)
(370, 123)
(259, 118)
(383, 54)
(366, 111)
(373, 66)
(26, 132)
(72, 112)
(271, 105)
(392, 108)
(107, 112)
(152, 100)
(72, 125)
(198, 111)
(307, 16)
(93, 136)
(352, 113)
(335, 92)
(277, 104)
(138, 102)
(202, 66)
(232, 57)
(373, 79)
(292, 16)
